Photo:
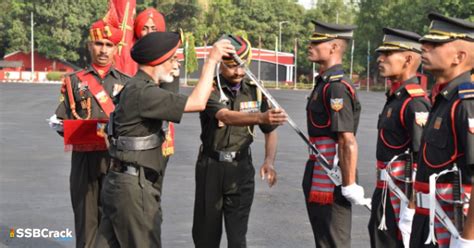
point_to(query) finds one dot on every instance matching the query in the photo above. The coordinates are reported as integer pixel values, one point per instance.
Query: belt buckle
(226, 156)
(383, 175)
(422, 200)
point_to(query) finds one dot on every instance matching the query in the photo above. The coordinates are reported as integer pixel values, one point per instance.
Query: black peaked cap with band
(328, 31)
(399, 40)
(445, 29)
(155, 48)
(242, 47)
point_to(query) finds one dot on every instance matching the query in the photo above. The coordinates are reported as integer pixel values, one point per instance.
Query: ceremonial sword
(333, 173)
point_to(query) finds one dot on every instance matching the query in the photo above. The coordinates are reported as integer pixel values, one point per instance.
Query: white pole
(368, 65)
(296, 63)
(186, 62)
(259, 57)
(278, 47)
(314, 78)
(352, 59)
(337, 17)
(276, 64)
(32, 49)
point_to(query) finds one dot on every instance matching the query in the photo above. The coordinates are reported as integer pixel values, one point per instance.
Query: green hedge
(54, 76)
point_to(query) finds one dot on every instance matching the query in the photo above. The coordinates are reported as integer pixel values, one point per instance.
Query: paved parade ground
(34, 174)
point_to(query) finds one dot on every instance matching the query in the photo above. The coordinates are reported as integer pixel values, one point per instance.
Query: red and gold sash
(98, 91)
(84, 134)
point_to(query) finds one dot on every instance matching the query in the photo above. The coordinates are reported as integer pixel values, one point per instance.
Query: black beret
(155, 48)
(328, 31)
(399, 40)
(445, 29)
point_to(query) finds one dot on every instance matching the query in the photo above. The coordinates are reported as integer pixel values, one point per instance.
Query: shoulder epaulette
(335, 77)
(415, 90)
(123, 74)
(72, 73)
(466, 90)
(249, 82)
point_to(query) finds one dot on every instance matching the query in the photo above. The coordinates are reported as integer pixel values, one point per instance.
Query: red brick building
(16, 66)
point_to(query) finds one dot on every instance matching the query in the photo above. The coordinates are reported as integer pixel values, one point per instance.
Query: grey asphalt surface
(34, 174)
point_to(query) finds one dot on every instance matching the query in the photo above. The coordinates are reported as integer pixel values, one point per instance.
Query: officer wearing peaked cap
(447, 143)
(224, 170)
(333, 112)
(131, 203)
(400, 126)
(328, 31)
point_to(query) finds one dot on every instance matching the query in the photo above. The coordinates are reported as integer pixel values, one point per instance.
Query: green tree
(61, 27)
(191, 58)
(410, 15)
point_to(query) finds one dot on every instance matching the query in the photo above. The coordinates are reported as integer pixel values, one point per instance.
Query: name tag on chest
(249, 107)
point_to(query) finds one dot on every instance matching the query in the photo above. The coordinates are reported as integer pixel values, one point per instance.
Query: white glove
(55, 123)
(355, 194)
(406, 219)
(461, 243)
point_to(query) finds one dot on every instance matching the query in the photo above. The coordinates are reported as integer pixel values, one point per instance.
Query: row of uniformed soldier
(417, 142)
(412, 138)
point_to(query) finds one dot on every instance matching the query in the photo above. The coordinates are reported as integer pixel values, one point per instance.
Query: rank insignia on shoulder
(421, 118)
(389, 112)
(337, 104)
(471, 125)
(335, 77)
(415, 90)
(466, 90)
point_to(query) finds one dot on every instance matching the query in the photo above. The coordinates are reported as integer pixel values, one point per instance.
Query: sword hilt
(458, 213)
(408, 175)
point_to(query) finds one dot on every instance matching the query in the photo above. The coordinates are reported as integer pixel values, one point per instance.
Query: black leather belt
(133, 169)
(227, 156)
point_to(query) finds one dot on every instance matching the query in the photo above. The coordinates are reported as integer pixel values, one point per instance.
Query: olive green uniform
(87, 168)
(130, 197)
(224, 170)
(172, 87)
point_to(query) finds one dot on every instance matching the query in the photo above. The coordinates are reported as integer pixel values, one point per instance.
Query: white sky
(305, 3)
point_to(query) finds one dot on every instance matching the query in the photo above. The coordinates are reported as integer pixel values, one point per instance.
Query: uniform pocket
(437, 138)
(317, 107)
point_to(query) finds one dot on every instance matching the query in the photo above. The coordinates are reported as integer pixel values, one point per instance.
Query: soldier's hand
(355, 194)
(222, 48)
(269, 172)
(274, 117)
